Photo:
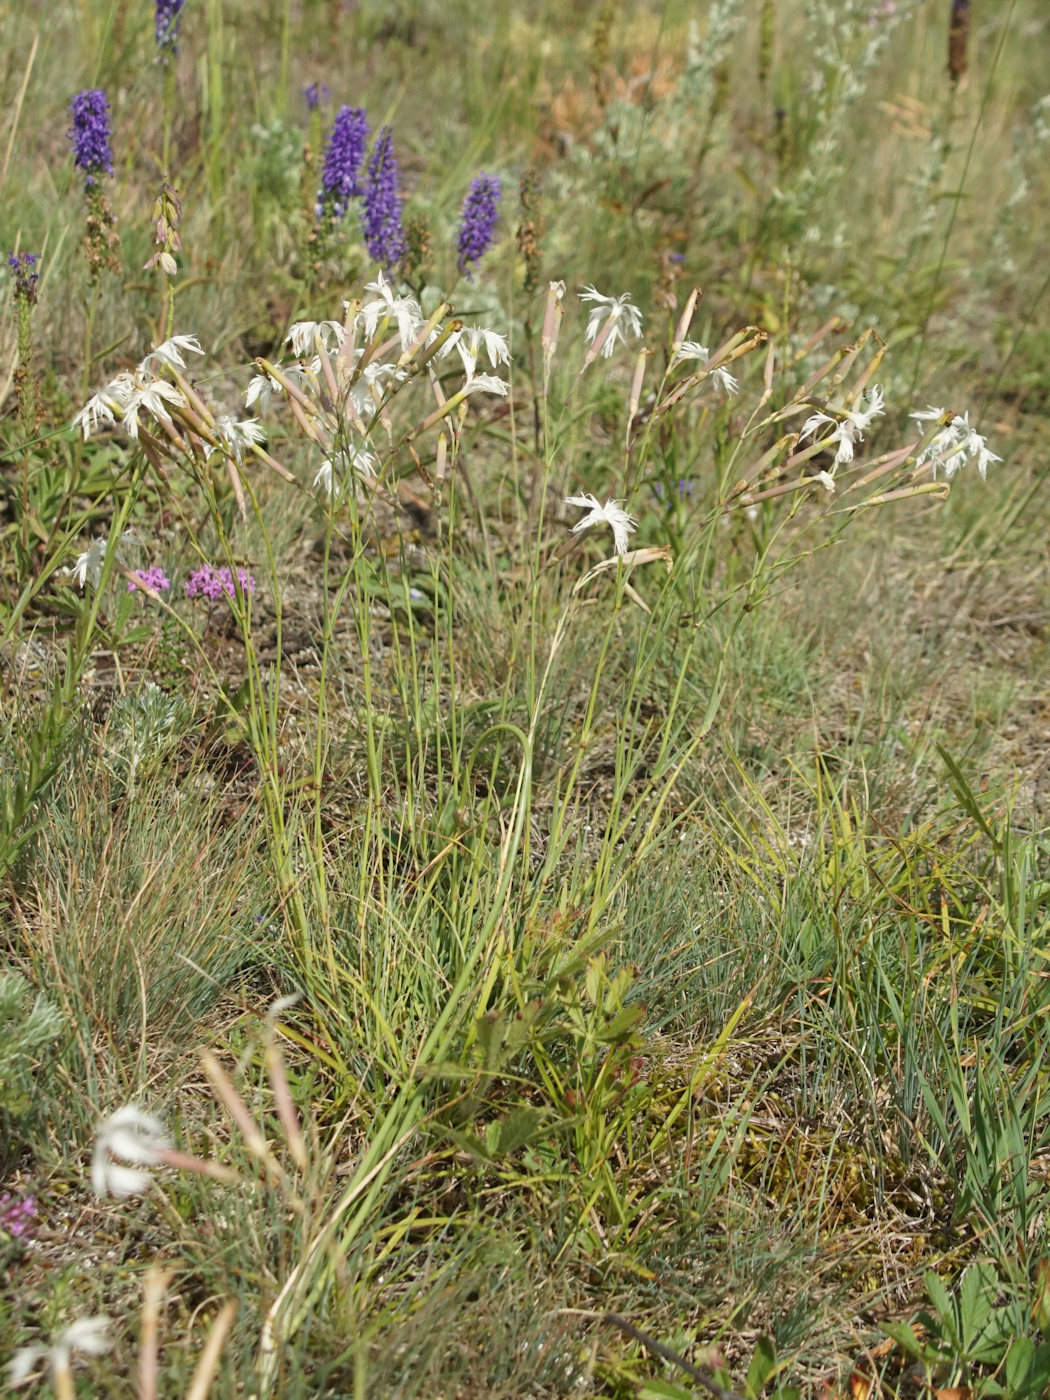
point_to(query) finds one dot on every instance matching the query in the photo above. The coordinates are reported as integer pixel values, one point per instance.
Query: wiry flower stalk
(528, 231)
(166, 215)
(90, 136)
(24, 271)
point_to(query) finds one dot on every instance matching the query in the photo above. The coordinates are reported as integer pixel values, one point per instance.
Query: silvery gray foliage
(142, 728)
(22, 1040)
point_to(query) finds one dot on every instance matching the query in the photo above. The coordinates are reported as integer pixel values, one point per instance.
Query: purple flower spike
(381, 214)
(23, 267)
(478, 220)
(167, 17)
(90, 135)
(342, 162)
(315, 95)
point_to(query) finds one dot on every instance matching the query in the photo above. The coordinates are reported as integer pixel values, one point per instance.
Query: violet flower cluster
(315, 95)
(16, 1215)
(209, 582)
(23, 269)
(154, 578)
(381, 205)
(167, 17)
(90, 135)
(477, 220)
(342, 162)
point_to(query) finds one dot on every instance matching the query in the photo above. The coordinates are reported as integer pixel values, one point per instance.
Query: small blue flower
(478, 220)
(342, 162)
(381, 205)
(167, 16)
(90, 135)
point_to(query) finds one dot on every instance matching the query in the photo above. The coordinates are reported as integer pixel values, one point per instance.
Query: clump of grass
(592, 729)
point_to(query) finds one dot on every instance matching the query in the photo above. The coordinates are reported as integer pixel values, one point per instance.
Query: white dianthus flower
(725, 380)
(150, 396)
(88, 566)
(239, 436)
(170, 352)
(405, 311)
(691, 350)
(348, 461)
(611, 513)
(304, 335)
(469, 342)
(953, 444)
(848, 430)
(87, 1334)
(103, 406)
(129, 1135)
(616, 313)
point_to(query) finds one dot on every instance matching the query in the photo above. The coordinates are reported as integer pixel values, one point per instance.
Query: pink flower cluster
(152, 578)
(209, 582)
(16, 1213)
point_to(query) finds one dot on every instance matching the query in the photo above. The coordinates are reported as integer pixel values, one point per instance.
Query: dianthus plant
(344, 377)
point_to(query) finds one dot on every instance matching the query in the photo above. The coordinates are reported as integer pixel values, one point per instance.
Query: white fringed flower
(170, 352)
(88, 566)
(239, 436)
(954, 444)
(260, 389)
(725, 380)
(485, 384)
(87, 1334)
(129, 1135)
(150, 396)
(850, 429)
(349, 461)
(692, 350)
(469, 343)
(611, 513)
(405, 311)
(103, 406)
(616, 313)
(305, 334)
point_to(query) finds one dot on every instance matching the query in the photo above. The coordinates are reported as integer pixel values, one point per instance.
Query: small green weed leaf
(594, 978)
(763, 1365)
(445, 1069)
(621, 1025)
(1041, 1302)
(470, 1144)
(904, 1335)
(946, 1320)
(519, 1128)
(976, 1293)
(1019, 1365)
(663, 1390)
